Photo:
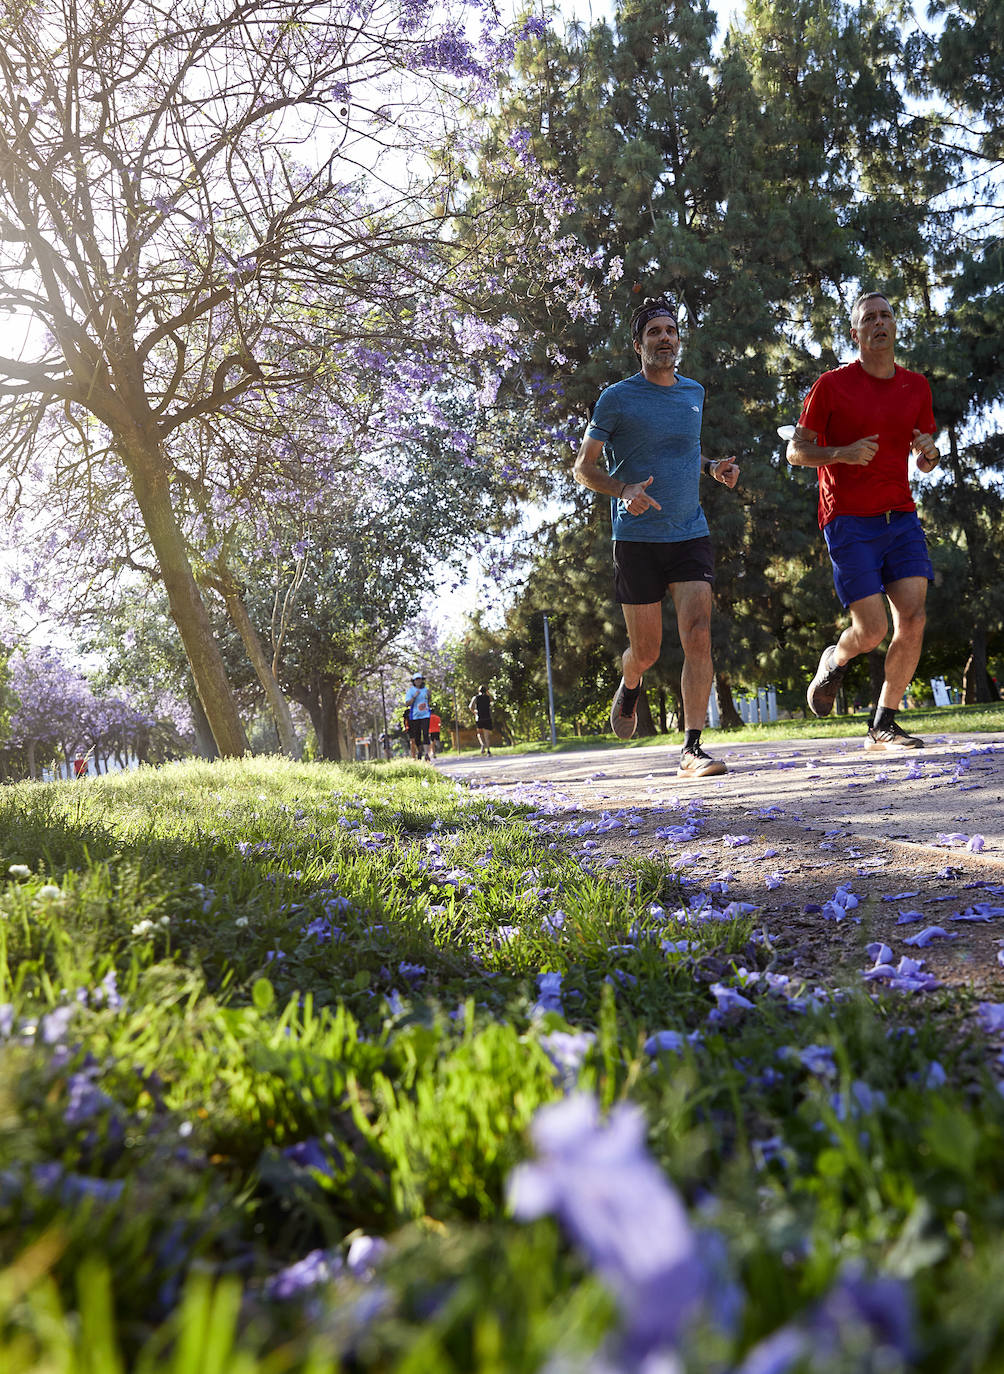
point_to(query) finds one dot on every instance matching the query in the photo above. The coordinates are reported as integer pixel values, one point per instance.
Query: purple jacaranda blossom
(977, 844)
(861, 1099)
(774, 880)
(552, 923)
(730, 1003)
(322, 930)
(818, 1059)
(6, 1019)
(85, 1099)
(879, 953)
(936, 1077)
(898, 896)
(908, 918)
(735, 841)
(952, 840)
(991, 1017)
(365, 1254)
(504, 935)
(72, 1188)
(548, 995)
(413, 973)
(316, 1268)
(666, 1040)
(907, 976)
(924, 937)
(619, 977)
(622, 1212)
(53, 1026)
(856, 1311)
(310, 1154)
(842, 901)
(766, 1150)
(566, 1051)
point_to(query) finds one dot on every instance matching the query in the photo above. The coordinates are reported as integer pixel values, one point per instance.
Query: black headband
(649, 311)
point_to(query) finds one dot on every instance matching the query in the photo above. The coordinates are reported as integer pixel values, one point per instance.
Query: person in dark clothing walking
(481, 706)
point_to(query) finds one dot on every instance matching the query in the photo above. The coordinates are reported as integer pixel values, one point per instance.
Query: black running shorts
(644, 571)
(419, 729)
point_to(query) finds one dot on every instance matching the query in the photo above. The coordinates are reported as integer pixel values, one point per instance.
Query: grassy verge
(930, 722)
(274, 1039)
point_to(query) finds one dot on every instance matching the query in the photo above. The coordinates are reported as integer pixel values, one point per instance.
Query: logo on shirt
(695, 409)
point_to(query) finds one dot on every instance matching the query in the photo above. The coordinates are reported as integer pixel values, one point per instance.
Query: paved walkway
(955, 786)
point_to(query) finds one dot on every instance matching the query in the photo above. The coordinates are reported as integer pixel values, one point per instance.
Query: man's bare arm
(804, 452)
(588, 472)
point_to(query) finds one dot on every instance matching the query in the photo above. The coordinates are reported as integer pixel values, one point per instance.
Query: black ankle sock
(691, 741)
(630, 697)
(884, 718)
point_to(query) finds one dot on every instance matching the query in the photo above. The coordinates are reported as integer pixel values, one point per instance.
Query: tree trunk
(205, 745)
(876, 675)
(728, 716)
(277, 703)
(976, 684)
(188, 610)
(329, 740)
(663, 719)
(646, 725)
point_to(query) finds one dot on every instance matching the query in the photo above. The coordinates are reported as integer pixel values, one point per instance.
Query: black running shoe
(822, 690)
(893, 737)
(624, 710)
(695, 763)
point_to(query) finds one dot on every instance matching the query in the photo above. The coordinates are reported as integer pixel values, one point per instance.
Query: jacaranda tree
(190, 232)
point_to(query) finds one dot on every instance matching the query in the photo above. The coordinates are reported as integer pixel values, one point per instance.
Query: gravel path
(920, 832)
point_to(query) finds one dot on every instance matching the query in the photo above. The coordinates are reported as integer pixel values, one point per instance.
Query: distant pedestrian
(435, 725)
(481, 707)
(857, 427)
(416, 699)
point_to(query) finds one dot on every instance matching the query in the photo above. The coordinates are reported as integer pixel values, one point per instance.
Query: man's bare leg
(693, 618)
(644, 628)
(907, 599)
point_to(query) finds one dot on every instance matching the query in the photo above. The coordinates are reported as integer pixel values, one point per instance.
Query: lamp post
(550, 684)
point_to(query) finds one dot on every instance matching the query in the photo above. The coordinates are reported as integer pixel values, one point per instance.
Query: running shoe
(695, 763)
(895, 737)
(822, 690)
(624, 711)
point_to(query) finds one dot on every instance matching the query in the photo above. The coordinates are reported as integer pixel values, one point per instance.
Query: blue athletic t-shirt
(654, 431)
(418, 699)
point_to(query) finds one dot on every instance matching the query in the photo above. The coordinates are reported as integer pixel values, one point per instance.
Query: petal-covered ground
(917, 839)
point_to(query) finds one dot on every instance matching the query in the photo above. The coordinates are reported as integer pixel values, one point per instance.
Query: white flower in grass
(19, 871)
(49, 893)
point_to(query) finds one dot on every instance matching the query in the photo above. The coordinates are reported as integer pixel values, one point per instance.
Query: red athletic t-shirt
(849, 404)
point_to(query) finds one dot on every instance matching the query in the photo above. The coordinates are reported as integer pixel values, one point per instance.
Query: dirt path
(793, 822)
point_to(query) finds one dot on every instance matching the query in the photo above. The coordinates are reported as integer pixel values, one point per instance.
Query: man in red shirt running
(857, 426)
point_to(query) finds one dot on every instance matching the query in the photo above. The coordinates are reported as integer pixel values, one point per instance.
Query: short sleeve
(603, 421)
(816, 408)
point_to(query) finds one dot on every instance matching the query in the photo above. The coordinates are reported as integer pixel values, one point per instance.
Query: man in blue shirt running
(648, 429)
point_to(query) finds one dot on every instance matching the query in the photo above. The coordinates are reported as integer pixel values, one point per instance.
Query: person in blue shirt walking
(416, 701)
(648, 431)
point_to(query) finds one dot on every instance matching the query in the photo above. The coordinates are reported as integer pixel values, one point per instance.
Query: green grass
(269, 1075)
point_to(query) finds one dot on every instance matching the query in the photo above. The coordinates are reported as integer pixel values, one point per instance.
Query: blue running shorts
(870, 551)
